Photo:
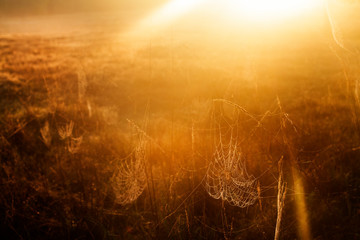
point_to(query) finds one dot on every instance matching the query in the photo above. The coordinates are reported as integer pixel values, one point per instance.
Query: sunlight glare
(269, 10)
(167, 14)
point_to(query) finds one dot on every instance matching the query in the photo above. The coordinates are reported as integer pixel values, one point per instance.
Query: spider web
(129, 181)
(227, 178)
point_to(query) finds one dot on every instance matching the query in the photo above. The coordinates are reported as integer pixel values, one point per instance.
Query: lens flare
(301, 209)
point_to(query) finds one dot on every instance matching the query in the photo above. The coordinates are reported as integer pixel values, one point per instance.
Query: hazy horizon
(46, 7)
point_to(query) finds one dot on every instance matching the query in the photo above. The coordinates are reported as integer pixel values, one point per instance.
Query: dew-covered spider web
(227, 178)
(129, 180)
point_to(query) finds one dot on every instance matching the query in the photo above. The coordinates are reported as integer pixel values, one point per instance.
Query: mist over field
(179, 119)
(35, 7)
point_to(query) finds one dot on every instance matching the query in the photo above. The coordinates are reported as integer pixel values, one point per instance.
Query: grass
(284, 101)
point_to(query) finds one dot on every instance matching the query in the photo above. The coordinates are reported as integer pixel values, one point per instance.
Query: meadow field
(195, 130)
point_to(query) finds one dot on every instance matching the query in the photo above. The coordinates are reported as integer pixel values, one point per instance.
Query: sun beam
(166, 14)
(232, 11)
(268, 11)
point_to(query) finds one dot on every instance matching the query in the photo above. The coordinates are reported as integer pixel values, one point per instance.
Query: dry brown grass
(73, 165)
